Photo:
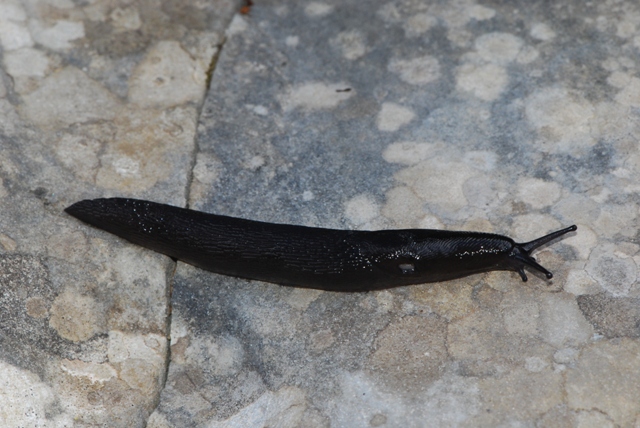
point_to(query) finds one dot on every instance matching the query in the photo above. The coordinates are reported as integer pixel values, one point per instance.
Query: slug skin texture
(309, 257)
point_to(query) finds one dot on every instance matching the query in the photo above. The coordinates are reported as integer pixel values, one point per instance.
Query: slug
(309, 257)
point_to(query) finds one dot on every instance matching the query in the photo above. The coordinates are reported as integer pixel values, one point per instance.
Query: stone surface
(509, 117)
(404, 114)
(84, 318)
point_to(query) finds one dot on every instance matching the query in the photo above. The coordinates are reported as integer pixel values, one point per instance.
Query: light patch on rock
(451, 301)
(207, 168)
(385, 301)
(12, 10)
(616, 219)
(519, 395)
(538, 193)
(479, 12)
(562, 119)
(79, 154)
(535, 364)
(67, 245)
(419, 24)
(144, 149)
(141, 375)
(59, 36)
(26, 62)
(126, 167)
(566, 355)
(37, 307)
(361, 209)
(321, 340)
(93, 372)
(478, 336)
(28, 402)
(579, 283)
(60, 4)
(125, 19)
(69, 97)
(527, 55)
(271, 322)
(583, 242)
(611, 64)
(7, 243)
(166, 77)
(260, 110)
(481, 160)
(301, 298)
(615, 272)
(3, 190)
(606, 379)
(180, 328)
(145, 347)
(561, 322)
(254, 163)
(531, 226)
(485, 81)
(292, 41)
(403, 207)
(133, 266)
(593, 419)
(14, 35)
(408, 152)
(541, 31)
(520, 313)
(393, 116)
(483, 192)
(224, 353)
(577, 208)
(629, 95)
(316, 96)
(498, 48)
(350, 43)
(283, 408)
(447, 402)
(416, 71)
(318, 9)
(627, 27)
(237, 26)
(438, 181)
(389, 13)
(75, 317)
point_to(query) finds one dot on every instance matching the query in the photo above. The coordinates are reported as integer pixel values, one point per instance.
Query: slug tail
(528, 247)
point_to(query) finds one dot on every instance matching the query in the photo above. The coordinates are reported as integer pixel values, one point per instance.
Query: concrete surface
(510, 117)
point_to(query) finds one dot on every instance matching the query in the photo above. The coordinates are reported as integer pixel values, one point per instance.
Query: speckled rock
(457, 115)
(516, 118)
(84, 317)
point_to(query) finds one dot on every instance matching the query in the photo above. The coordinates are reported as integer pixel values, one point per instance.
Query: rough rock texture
(96, 98)
(509, 117)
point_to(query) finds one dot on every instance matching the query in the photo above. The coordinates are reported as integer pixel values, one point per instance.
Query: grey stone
(83, 317)
(516, 118)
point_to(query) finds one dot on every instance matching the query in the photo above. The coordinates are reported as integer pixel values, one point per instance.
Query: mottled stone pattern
(97, 98)
(512, 117)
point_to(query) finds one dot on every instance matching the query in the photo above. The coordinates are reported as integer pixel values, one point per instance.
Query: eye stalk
(521, 254)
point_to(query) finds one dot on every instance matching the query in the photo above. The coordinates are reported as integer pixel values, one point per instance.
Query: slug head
(520, 255)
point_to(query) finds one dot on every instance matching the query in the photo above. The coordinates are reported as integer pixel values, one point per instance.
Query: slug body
(326, 259)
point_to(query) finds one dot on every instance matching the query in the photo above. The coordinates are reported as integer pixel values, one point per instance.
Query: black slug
(326, 259)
